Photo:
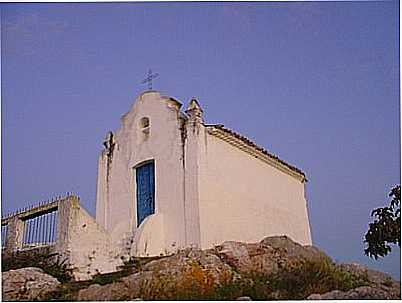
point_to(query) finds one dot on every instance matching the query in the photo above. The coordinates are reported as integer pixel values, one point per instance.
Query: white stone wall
(243, 198)
(206, 190)
(116, 199)
(149, 238)
(91, 249)
(81, 243)
(84, 243)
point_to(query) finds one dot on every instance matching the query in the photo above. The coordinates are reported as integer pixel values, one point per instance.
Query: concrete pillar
(65, 223)
(15, 232)
(195, 132)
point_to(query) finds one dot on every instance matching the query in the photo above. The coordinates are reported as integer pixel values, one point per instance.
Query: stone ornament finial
(194, 111)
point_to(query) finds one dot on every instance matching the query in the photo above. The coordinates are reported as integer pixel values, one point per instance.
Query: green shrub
(308, 277)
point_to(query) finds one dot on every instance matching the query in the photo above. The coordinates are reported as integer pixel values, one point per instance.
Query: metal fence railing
(40, 229)
(52, 228)
(33, 226)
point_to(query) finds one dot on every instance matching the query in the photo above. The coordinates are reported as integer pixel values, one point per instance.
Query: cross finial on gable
(149, 79)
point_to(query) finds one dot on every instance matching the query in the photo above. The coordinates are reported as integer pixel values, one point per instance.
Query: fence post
(64, 225)
(15, 232)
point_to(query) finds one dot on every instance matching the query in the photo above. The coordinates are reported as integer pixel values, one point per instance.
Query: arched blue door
(145, 177)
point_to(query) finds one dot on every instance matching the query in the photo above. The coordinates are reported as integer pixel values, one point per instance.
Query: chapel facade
(168, 180)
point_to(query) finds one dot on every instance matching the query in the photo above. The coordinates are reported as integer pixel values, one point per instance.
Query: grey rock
(293, 249)
(244, 298)
(162, 276)
(267, 256)
(314, 297)
(376, 279)
(373, 276)
(360, 293)
(109, 292)
(248, 257)
(188, 259)
(27, 284)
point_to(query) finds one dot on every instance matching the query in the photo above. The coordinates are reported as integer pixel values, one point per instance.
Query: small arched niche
(144, 125)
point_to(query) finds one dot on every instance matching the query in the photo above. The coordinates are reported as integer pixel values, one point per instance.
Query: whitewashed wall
(243, 198)
(206, 190)
(116, 200)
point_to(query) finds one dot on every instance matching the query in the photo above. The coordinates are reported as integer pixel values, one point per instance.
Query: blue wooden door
(145, 177)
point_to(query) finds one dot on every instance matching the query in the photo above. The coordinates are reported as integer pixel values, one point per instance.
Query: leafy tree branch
(386, 228)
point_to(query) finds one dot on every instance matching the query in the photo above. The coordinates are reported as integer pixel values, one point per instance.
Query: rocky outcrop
(359, 293)
(161, 278)
(381, 286)
(27, 284)
(375, 277)
(267, 256)
(274, 269)
(117, 291)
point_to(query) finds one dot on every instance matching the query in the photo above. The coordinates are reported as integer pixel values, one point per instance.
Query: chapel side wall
(245, 199)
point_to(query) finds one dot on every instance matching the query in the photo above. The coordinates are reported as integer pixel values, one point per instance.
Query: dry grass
(50, 263)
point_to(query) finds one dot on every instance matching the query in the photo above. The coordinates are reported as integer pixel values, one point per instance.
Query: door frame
(139, 164)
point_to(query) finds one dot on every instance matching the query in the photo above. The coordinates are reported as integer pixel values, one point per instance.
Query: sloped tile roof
(257, 148)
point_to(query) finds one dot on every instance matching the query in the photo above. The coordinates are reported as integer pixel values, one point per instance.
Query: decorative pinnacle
(194, 111)
(194, 105)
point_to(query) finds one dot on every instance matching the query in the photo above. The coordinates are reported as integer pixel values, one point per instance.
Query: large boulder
(166, 278)
(249, 257)
(191, 259)
(293, 249)
(27, 284)
(116, 291)
(267, 256)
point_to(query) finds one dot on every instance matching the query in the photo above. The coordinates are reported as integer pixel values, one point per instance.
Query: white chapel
(168, 180)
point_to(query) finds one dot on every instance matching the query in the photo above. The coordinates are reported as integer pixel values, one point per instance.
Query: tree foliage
(386, 228)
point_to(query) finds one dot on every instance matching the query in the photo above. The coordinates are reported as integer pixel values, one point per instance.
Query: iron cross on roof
(149, 79)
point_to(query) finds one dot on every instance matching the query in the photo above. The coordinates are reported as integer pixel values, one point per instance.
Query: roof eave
(248, 146)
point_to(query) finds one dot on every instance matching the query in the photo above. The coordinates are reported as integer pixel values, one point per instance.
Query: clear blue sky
(316, 83)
